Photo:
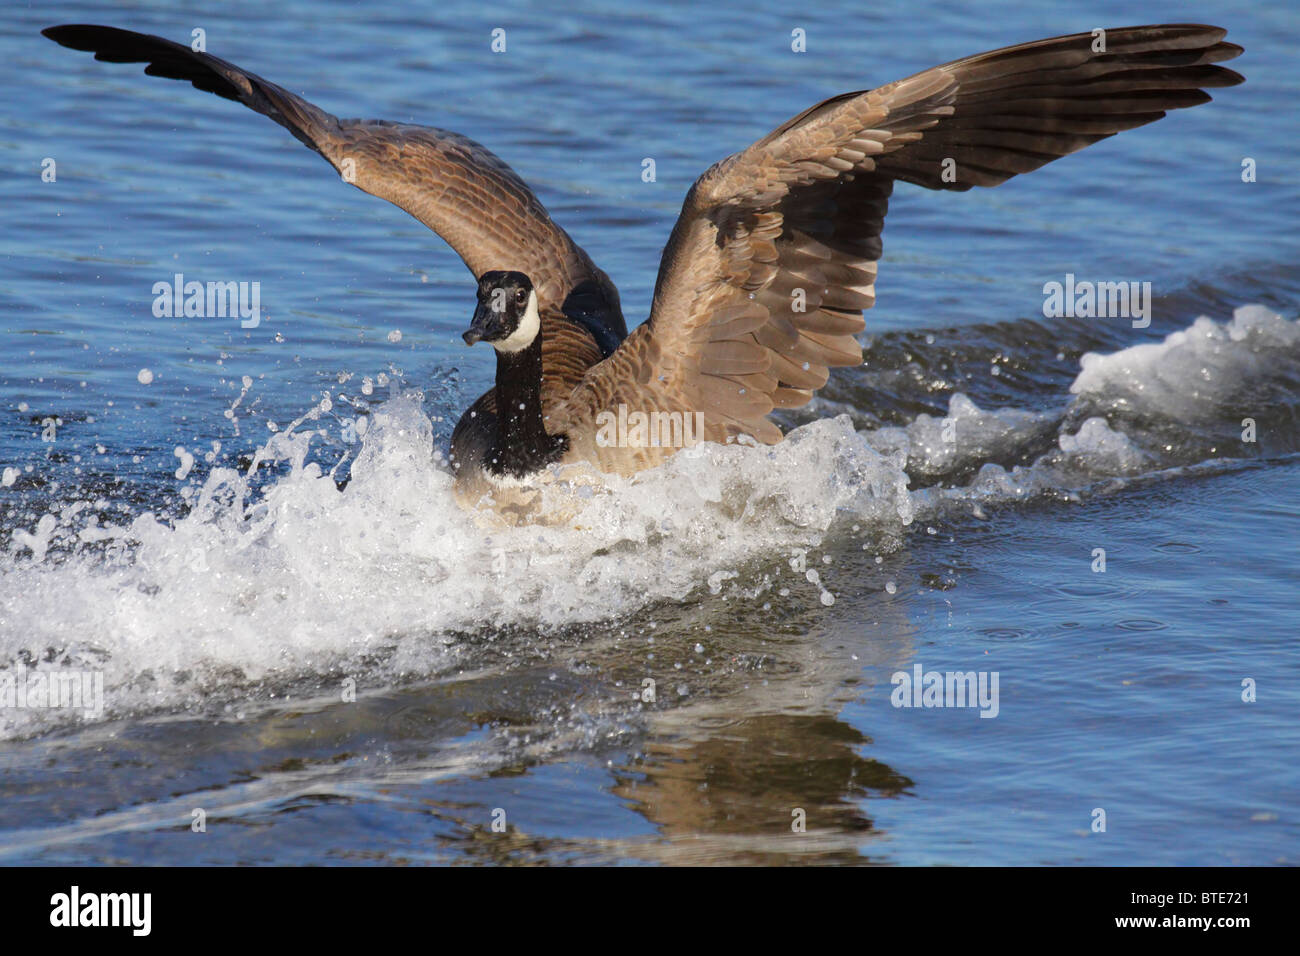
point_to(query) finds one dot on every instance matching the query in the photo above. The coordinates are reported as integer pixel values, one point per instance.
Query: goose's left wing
(764, 281)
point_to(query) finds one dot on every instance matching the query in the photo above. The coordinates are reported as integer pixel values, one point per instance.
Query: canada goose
(762, 285)
(455, 186)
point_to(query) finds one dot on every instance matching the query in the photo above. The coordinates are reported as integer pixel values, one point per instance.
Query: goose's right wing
(456, 187)
(773, 260)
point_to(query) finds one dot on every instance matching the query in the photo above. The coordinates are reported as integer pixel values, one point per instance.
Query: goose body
(764, 280)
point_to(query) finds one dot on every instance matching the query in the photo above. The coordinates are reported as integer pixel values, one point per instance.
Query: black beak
(481, 326)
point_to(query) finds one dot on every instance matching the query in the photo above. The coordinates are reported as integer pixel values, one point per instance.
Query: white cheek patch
(523, 336)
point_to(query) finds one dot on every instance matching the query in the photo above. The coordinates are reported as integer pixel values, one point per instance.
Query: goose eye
(521, 296)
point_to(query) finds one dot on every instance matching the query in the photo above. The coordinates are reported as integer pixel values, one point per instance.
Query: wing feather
(455, 186)
(791, 226)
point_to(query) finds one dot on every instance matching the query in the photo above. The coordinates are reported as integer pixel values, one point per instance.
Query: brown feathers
(773, 259)
(791, 226)
(453, 185)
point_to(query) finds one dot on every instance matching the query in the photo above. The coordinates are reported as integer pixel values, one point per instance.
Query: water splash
(271, 581)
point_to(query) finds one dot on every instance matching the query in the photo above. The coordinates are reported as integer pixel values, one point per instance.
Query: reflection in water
(721, 779)
(736, 795)
(744, 728)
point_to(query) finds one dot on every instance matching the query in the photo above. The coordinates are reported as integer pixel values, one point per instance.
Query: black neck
(522, 444)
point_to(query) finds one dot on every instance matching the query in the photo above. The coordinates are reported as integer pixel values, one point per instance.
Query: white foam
(1102, 450)
(1187, 375)
(965, 436)
(300, 581)
(305, 577)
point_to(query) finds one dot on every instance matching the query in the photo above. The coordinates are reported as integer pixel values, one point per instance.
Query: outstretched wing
(773, 259)
(456, 187)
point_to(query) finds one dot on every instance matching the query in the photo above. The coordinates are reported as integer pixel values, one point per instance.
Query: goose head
(506, 315)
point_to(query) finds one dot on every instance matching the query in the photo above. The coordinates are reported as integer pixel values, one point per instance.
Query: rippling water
(770, 594)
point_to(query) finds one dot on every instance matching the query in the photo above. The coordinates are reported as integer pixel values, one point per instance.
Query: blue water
(503, 670)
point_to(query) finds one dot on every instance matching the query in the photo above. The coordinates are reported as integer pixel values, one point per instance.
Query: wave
(299, 580)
